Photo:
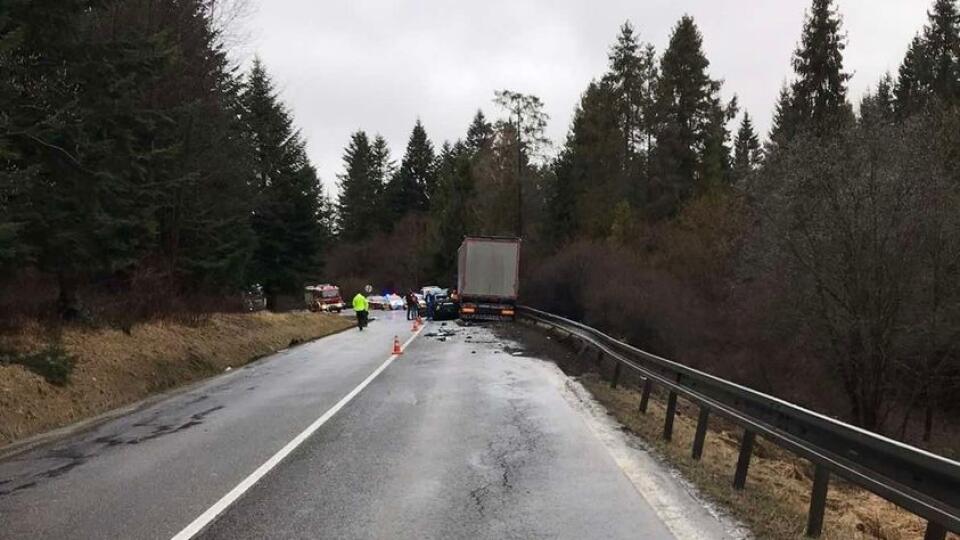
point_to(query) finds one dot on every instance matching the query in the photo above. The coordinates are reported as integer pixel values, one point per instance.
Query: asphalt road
(456, 438)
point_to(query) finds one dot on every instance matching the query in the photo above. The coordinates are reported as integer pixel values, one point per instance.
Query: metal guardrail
(923, 483)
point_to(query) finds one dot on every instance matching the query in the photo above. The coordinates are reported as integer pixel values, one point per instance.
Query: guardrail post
(671, 410)
(645, 395)
(701, 433)
(935, 531)
(818, 501)
(581, 359)
(743, 462)
(616, 374)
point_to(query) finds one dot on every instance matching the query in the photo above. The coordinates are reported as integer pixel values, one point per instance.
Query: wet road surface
(460, 437)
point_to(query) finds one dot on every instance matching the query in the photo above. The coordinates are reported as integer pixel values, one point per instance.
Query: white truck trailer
(488, 277)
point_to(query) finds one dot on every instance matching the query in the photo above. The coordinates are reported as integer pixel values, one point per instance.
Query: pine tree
(878, 108)
(931, 66)
(286, 219)
(942, 45)
(716, 167)
(450, 209)
(359, 209)
(785, 122)
(819, 94)
(632, 77)
(129, 148)
(689, 122)
(206, 239)
(911, 91)
(746, 153)
(784, 126)
(588, 180)
(480, 133)
(523, 130)
(384, 167)
(81, 124)
(12, 177)
(410, 188)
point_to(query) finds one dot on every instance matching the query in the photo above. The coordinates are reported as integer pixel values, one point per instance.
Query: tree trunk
(928, 421)
(68, 305)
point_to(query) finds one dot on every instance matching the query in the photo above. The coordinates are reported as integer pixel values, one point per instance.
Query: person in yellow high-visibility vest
(361, 307)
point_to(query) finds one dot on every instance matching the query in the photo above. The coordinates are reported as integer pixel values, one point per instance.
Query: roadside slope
(114, 368)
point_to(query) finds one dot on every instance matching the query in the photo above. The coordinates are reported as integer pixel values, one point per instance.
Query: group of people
(361, 306)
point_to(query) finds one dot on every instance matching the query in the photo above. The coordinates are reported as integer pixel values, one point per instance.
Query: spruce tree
(715, 161)
(451, 209)
(359, 210)
(878, 107)
(819, 93)
(208, 195)
(479, 134)
(632, 77)
(942, 45)
(785, 122)
(912, 89)
(12, 177)
(746, 149)
(410, 188)
(81, 124)
(931, 66)
(128, 149)
(690, 122)
(384, 167)
(588, 180)
(286, 219)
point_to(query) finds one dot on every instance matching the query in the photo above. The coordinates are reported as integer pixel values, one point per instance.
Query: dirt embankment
(775, 502)
(114, 368)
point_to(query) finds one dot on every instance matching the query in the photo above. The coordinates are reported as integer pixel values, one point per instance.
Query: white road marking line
(220, 506)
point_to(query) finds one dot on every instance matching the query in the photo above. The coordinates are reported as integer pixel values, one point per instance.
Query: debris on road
(442, 334)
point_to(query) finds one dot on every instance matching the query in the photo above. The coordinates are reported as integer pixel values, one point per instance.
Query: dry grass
(115, 368)
(775, 502)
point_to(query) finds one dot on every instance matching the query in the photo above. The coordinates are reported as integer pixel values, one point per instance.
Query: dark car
(253, 298)
(446, 308)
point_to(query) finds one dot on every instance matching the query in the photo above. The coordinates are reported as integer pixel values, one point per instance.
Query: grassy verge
(112, 368)
(775, 502)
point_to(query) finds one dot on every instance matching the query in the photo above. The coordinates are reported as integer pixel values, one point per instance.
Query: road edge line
(211, 514)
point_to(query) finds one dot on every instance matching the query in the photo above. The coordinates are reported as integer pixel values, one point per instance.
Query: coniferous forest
(142, 173)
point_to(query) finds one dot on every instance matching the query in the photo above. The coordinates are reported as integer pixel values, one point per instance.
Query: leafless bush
(119, 301)
(392, 261)
(620, 291)
(863, 227)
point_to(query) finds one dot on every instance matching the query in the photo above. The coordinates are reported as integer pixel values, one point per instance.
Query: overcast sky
(377, 65)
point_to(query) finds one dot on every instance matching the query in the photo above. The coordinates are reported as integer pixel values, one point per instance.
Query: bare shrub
(392, 261)
(863, 227)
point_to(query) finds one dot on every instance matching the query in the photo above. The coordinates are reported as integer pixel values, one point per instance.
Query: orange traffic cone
(396, 346)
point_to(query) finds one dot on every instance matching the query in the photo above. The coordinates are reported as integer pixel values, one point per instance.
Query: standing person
(361, 308)
(413, 306)
(431, 304)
